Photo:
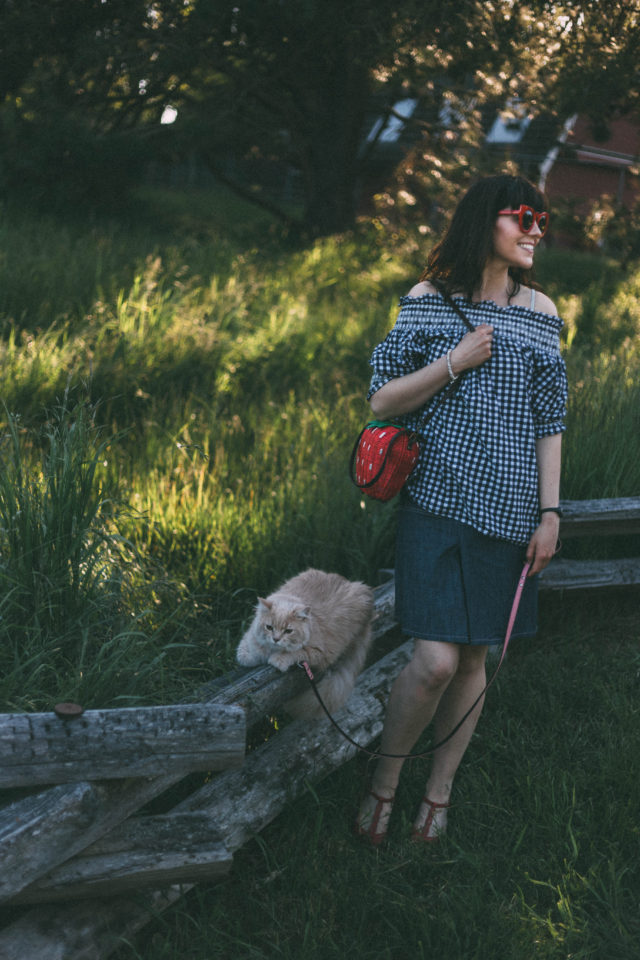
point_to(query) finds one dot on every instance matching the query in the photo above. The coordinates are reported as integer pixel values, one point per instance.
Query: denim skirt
(456, 585)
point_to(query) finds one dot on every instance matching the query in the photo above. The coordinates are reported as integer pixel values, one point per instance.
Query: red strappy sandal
(371, 832)
(421, 834)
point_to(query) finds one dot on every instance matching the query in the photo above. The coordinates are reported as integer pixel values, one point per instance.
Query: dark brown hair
(455, 265)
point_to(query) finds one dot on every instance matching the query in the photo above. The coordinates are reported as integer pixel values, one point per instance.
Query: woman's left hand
(543, 543)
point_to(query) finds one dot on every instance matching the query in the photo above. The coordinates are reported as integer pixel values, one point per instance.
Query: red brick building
(583, 168)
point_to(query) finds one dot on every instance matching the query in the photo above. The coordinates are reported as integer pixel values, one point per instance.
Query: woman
(485, 493)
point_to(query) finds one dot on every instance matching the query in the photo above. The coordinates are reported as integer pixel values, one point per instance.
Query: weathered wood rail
(39, 748)
(77, 849)
(588, 518)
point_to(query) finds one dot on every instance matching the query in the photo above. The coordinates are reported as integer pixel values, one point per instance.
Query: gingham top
(477, 461)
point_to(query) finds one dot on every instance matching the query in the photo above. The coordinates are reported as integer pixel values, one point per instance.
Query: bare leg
(413, 701)
(464, 689)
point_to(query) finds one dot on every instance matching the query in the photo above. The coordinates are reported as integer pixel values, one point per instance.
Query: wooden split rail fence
(79, 847)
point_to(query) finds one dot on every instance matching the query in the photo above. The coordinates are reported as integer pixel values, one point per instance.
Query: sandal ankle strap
(372, 793)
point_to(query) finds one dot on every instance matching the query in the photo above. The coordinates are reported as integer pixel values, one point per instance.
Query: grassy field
(182, 387)
(541, 859)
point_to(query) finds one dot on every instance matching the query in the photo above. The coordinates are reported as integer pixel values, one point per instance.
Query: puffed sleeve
(401, 352)
(550, 393)
(419, 337)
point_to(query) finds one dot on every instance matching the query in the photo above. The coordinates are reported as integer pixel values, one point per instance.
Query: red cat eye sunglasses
(527, 216)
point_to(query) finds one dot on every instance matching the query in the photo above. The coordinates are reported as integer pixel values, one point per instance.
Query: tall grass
(221, 376)
(75, 621)
(55, 546)
(232, 379)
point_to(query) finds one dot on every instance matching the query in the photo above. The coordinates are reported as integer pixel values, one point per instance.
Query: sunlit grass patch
(221, 376)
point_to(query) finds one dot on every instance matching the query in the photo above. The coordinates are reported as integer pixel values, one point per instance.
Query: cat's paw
(282, 661)
(248, 657)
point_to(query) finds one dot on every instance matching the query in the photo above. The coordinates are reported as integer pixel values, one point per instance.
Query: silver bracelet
(452, 376)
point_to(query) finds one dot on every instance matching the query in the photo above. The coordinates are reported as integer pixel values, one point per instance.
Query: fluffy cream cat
(318, 617)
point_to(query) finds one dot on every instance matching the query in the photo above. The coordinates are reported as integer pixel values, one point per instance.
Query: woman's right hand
(473, 350)
(409, 392)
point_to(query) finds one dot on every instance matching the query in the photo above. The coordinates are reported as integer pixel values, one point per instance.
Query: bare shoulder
(421, 288)
(545, 304)
(535, 300)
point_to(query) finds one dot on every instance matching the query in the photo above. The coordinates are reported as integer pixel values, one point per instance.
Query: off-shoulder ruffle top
(478, 460)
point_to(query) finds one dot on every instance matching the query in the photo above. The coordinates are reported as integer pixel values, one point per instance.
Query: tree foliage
(267, 89)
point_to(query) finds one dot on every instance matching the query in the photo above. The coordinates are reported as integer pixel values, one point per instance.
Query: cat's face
(284, 624)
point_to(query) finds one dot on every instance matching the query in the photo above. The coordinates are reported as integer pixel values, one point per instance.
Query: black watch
(552, 510)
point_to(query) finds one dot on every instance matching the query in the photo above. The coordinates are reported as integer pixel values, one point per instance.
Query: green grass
(182, 389)
(541, 859)
(228, 369)
(72, 588)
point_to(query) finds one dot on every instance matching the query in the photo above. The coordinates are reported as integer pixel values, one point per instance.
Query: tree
(295, 85)
(598, 67)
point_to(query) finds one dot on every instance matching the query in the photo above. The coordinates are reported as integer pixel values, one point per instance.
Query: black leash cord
(417, 756)
(393, 756)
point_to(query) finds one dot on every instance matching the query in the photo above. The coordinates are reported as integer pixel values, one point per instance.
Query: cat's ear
(302, 613)
(265, 603)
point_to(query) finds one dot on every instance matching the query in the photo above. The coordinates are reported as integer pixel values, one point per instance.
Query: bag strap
(452, 303)
(443, 395)
(448, 391)
(417, 756)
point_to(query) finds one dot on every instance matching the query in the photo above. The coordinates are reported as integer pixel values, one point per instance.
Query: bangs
(518, 191)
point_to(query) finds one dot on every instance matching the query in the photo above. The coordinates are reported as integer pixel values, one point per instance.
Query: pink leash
(416, 756)
(512, 616)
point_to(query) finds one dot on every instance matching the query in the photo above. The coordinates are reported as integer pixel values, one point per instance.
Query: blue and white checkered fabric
(478, 459)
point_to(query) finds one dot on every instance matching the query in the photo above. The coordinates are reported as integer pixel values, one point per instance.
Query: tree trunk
(331, 169)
